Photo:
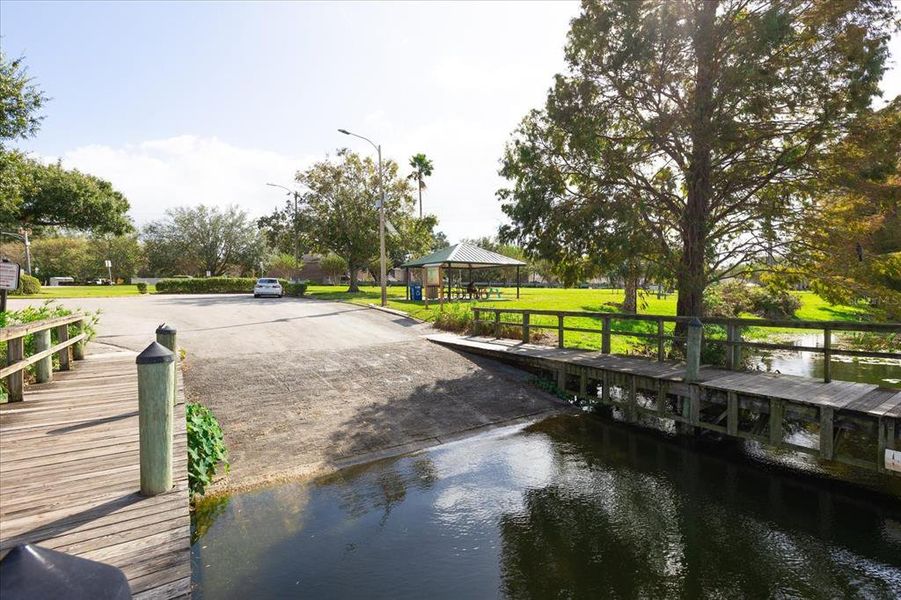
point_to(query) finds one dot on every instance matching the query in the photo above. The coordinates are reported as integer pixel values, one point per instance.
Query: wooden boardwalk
(69, 477)
(720, 400)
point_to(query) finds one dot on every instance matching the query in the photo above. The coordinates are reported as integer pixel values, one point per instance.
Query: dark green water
(573, 507)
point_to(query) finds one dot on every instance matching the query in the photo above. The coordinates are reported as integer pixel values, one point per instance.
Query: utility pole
(296, 234)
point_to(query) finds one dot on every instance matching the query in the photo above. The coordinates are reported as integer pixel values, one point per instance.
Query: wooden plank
(18, 331)
(69, 477)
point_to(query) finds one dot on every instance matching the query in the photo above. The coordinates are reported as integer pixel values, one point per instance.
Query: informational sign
(893, 460)
(107, 263)
(9, 276)
(432, 276)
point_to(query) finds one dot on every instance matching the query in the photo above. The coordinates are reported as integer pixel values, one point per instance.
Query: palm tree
(422, 168)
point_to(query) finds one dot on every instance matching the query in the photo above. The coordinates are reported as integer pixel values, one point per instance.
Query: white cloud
(189, 170)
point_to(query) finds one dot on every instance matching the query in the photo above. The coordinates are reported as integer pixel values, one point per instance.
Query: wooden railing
(14, 371)
(733, 341)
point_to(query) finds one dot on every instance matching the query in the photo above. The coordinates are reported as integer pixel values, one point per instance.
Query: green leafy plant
(206, 448)
(142, 287)
(206, 285)
(295, 289)
(28, 286)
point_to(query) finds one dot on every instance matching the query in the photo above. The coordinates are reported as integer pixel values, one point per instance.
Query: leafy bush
(142, 287)
(206, 447)
(295, 289)
(28, 286)
(206, 285)
(455, 317)
(733, 298)
(774, 303)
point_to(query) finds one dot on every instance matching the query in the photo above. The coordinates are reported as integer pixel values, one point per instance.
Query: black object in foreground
(32, 572)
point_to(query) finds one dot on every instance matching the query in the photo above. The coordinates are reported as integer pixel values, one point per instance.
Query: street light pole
(383, 261)
(22, 235)
(296, 236)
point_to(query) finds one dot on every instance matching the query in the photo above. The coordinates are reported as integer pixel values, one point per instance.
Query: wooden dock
(750, 405)
(69, 476)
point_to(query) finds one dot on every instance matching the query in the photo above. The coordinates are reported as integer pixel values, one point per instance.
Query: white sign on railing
(893, 460)
(9, 276)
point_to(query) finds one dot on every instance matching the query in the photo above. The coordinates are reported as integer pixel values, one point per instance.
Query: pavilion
(462, 257)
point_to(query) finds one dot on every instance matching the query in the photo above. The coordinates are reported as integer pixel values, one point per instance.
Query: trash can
(416, 291)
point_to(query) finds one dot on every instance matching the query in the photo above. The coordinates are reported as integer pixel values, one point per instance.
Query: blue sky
(181, 103)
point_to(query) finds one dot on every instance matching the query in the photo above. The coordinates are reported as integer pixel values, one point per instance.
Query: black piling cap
(165, 329)
(155, 353)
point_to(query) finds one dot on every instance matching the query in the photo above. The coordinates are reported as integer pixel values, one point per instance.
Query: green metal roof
(464, 255)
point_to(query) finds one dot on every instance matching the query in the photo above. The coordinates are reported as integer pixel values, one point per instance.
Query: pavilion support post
(517, 282)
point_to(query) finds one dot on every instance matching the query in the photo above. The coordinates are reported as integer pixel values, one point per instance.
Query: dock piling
(156, 386)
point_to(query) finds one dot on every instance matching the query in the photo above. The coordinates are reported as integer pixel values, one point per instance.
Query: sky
(187, 103)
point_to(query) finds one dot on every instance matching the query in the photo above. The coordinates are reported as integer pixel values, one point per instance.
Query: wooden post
(776, 410)
(561, 379)
(15, 383)
(632, 400)
(166, 336)
(583, 383)
(605, 391)
(881, 443)
(693, 350)
(62, 334)
(517, 282)
(156, 378)
(525, 328)
(732, 413)
(559, 330)
(730, 339)
(736, 347)
(476, 324)
(78, 348)
(661, 349)
(827, 354)
(605, 336)
(43, 369)
(497, 324)
(827, 432)
(661, 397)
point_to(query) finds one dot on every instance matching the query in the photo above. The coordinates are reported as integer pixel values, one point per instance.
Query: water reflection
(571, 507)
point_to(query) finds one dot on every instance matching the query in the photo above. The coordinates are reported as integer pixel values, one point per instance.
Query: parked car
(266, 286)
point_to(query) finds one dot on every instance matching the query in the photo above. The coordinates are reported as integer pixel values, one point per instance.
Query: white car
(266, 286)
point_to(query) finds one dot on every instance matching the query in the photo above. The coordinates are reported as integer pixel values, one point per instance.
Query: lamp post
(383, 279)
(296, 236)
(22, 235)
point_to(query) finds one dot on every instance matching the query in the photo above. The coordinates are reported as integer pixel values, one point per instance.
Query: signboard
(107, 263)
(892, 460)
(9, 276)
(433, 276)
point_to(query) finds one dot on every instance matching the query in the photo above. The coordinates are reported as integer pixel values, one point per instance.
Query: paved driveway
(304, 386)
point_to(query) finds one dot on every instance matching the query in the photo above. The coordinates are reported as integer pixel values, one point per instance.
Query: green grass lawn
(813, 308)
(86, 291)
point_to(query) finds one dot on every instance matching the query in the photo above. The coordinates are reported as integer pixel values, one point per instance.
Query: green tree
(333, 266)
(20, 101)
(62, 257)
(123, 251)
(422, 168)
(341, 209)
(690, 125)
(849, 242)
(193, 240)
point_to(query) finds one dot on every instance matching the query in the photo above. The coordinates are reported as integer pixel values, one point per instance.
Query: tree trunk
(691, 277)
(352, 274)
(419, 181)
(630, 303)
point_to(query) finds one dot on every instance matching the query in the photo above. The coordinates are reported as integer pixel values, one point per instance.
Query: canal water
(575, 506)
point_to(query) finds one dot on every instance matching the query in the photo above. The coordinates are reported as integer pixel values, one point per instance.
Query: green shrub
(774, 303)
(142, 287)
(28, 286)
(295, 289)
(206, 285)
(206, 447)
(455, 317)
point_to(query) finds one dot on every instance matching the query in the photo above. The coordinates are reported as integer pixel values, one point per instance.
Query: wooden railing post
(730, 339)
(525, 328)
(156, 378)
(559, 330)
(62, 334)
(661, 351)
(476, 318)
(43, 369)
(605, 336)
(827, 354)
(15, 383)
(78, 348)
(497, 324)
(166, 337)
(693, 350)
